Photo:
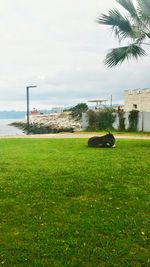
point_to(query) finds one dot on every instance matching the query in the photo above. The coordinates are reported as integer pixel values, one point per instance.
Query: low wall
(143, 121)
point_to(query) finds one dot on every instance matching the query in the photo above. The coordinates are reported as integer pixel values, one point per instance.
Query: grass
(64, 204)
(117, 132)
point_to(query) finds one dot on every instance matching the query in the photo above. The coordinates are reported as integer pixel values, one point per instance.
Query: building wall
(137, 99)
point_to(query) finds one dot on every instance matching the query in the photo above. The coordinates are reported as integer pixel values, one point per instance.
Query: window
(135, 106)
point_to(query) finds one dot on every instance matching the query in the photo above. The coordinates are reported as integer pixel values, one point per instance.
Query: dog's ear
(108, 130)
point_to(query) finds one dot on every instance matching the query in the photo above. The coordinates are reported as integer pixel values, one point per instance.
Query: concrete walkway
(79, 135)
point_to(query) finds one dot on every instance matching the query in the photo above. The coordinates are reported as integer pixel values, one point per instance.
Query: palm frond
(139, 34)
(129, 6)
(144, 10)
(121, 25)
(113, 18)
(144, 4)
(135, 25)
(118, 55)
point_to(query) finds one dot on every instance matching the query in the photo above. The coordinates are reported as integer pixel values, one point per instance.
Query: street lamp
(27, 90)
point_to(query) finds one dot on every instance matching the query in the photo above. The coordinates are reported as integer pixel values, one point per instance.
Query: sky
(59, 47)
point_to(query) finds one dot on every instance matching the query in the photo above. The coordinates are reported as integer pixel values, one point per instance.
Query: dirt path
(78, 135)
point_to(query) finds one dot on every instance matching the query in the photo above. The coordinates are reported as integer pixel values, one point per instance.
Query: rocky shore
(51, 123)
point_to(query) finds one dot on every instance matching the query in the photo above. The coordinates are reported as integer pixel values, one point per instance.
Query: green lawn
(64, 204)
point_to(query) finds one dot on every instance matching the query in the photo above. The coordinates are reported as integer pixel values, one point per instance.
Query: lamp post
(27, 91)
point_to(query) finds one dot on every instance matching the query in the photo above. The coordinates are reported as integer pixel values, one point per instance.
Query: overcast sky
(58, 46)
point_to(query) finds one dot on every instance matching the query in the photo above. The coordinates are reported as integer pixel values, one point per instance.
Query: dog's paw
(114, 146)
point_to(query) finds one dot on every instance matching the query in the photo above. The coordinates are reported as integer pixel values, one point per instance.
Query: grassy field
(64, 204)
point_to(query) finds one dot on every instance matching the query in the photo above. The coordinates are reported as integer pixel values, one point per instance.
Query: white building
(138, 99)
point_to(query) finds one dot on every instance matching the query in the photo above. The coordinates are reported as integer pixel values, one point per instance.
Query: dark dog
(107, 140)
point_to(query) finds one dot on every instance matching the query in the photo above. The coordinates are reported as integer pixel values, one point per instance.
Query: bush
(101, 120)
(121, 121)
(133, 120)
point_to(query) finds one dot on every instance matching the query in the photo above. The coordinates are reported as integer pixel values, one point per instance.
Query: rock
(53, 122)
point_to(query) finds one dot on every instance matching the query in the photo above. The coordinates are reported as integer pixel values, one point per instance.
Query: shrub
(101, 120)
(121, 121)
(133, 120)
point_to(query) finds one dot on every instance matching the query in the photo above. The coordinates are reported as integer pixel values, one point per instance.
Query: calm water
(6, 130)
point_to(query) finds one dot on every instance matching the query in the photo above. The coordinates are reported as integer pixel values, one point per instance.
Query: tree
(79, 109)
(134, 25)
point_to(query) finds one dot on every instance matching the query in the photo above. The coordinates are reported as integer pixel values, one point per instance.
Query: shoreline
(50, 123)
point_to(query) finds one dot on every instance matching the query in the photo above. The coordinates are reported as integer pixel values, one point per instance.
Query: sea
(7, 117)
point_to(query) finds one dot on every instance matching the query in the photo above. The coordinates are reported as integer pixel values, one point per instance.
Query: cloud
(58, 46)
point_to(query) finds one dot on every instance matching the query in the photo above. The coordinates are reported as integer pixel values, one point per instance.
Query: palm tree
(134, 26)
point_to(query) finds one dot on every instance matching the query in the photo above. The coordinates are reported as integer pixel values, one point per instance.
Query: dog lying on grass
(107, 141)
